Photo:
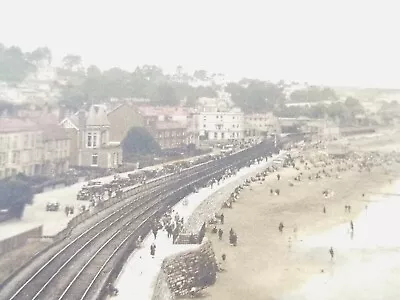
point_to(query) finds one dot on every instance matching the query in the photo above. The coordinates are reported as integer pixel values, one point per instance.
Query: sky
(341, 43)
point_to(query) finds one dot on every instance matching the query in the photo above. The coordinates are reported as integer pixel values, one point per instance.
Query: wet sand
(265, 265)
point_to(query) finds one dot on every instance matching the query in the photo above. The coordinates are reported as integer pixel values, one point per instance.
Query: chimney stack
(82, 119)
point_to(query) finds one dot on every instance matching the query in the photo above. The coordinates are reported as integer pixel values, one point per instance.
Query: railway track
(80, 269)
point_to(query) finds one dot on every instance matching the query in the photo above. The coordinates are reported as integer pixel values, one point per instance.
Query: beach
(268, 264)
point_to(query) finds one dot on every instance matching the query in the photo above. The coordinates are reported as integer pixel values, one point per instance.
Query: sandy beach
(267, 264)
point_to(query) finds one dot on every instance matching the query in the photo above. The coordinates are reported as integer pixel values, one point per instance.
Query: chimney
(82, 119)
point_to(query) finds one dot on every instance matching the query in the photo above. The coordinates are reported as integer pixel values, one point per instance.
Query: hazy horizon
(333, 43)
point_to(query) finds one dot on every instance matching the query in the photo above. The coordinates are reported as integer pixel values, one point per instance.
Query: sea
(366, 264)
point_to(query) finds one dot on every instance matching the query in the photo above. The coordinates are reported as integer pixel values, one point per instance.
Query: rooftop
(165, 125)
(9, 125)
(162, 110)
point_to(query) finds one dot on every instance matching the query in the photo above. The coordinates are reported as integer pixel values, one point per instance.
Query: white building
(219, 124)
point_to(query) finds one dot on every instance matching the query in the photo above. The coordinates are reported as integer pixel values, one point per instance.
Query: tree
(139, 141)
(354, 105)
(200, 74)
(14, 65)
(72, 62)
(16, 193)
(41, 54)
(254, 95)
(166, 95)
(7, 107)
(313, 94)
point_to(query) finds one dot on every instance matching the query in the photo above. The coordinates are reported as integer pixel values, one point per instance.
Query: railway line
(80, 267)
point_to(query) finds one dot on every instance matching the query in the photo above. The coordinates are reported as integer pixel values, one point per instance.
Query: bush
(14, 195)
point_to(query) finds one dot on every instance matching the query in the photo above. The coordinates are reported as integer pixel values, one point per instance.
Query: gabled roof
(97, 116)
(73, 120)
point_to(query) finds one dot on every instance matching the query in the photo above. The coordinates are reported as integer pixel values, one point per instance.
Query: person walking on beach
(222, 219)
(281, 227)
(351, 226)
(324, 210)
(331, 253)
(220, 233)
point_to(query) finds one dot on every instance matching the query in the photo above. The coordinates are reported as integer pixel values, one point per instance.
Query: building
(122, 118)
(261, 124)
(170, 134)
(219, 124)
(32, 148)
(90, 134)
(170, 126)
(21, 147)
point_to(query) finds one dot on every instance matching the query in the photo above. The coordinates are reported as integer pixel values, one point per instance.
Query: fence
(19, 240)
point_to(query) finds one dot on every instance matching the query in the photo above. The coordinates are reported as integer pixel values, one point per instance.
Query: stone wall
(207, 208)
(181, 272)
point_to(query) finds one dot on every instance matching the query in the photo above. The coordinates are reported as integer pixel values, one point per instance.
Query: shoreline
(263, 256)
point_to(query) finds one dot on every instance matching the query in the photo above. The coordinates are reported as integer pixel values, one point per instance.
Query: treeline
(16, 65)
(92, 85)
(80, 85)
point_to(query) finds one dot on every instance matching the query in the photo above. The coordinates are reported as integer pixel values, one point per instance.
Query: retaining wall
(19, 240)
(181, 272)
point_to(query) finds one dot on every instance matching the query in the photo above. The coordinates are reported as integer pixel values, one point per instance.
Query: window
(215, 135)
(94, 160)
(94, 139)
(32, 141)
(38, 139)
(15, 157)
(15, 142)
(26, 141)
(2, 159)
(89, 139)
(204, 126)
(222, 135)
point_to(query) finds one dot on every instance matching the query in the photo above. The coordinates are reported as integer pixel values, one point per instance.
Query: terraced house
(32, 149)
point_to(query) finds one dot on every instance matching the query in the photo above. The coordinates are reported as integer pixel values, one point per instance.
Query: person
(351, 226)
(331, 253)
(220, 233)
(231, 231)
(153, 250)
(139, 241)
(278, 176)
(155, 230)
(224, 257)
(324, 210)
(222, 218)
(290, 243)
(280, 227)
